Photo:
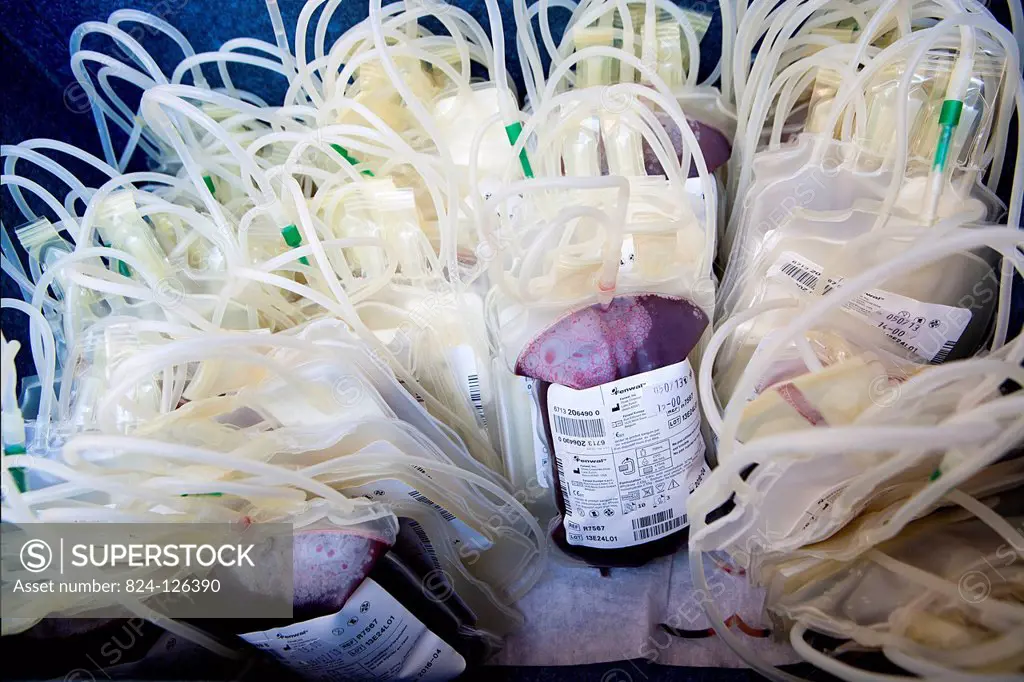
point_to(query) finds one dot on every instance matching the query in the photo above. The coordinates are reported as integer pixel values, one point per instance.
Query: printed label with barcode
(476, 397)
(579, 428)
(805, 279)
(372, 637)
(462, 360)
(659, 529)
(653, 519)
(424, 541)
(563, 486)
(627, 455)
(541, 453)
(928, 330)
(420, 497)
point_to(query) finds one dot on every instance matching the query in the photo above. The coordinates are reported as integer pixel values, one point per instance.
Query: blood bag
(621, 417)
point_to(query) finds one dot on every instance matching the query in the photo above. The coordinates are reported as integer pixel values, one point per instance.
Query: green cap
(17, 473)
(293, 238)
(513, 130)
(348, 157)
(950, 113)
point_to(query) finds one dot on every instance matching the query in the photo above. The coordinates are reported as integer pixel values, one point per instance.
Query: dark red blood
(714, 146)
(328, 567)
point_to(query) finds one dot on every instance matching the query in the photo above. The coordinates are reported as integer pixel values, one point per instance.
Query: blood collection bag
(363, 611)
(621, 416)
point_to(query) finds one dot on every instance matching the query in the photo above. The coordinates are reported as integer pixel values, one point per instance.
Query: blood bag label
(819, 509)
(541, 454)
(462, 360)
(928, 330)
(392, 491)
(628, 454)
(373, 637)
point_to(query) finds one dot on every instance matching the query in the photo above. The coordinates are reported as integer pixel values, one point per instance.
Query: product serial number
(568, 411)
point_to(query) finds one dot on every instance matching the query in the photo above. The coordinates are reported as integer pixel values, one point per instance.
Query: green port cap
(123, 268)
(351, 159)
(935, 475)
(513, 131)
(950, 113)
(293, 238)
(17, 473)
(209, 184)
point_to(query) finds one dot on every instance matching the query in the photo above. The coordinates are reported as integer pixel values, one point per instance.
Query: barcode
(944, 352)
(645, 521)
(660, 529)
(474, 395)
(563, 484)
(425, 541)
(579, 428)
(804, 277)
(420, 497)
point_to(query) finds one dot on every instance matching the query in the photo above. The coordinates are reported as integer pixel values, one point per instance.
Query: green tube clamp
(351, 159)
(17, 473)
(950, 113)
(513, 130)
(209, 184)
(949, 117)
(293, 238)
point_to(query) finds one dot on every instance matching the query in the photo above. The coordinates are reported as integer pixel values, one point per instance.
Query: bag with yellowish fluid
(832, 445)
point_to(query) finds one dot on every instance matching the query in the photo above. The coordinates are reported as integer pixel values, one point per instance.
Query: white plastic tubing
(716, 489)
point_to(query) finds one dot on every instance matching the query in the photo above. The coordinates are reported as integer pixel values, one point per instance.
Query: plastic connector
(121, 225)
(293, 238)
